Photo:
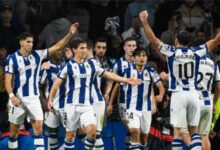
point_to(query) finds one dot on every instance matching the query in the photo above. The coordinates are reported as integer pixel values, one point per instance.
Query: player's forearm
(161, 89)
(108, 87)
(150, 35)
(53, 92)
(60, 45)
(114, 94)
(115, 77)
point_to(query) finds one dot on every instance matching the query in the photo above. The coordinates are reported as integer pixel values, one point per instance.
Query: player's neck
(24, 52)
(140, 67)
(90, 56)
(79, 60)
(129, 58)
(56, 62)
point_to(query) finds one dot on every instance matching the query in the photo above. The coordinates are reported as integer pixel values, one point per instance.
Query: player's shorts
(78, 116)
(184, 108)
(122, 111)
(54, 118)
(29, 106)
(139, 119)
(99, 110)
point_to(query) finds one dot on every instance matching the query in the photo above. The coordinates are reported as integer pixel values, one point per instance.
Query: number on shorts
(130, 116)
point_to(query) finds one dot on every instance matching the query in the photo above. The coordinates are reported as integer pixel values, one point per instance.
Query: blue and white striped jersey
(208, 73)
(25, 71)
(139, 97)
(47, 77)
(119, 68)
(96, 85)
(183, 65)
(79, 79)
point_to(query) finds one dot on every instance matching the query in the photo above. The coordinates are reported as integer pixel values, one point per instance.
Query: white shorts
(184, 108)
(30, 107)
(54, 118)
(139, 119)
(99, 110)
(122, 111)
(78, 116)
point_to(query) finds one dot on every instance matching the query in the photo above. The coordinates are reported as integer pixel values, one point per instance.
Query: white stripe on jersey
(79, 79)
(26, 72)
(139, 97)
(47, 77)
(183, 66)
(119, 68)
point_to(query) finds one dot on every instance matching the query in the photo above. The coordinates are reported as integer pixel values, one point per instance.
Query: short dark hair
(138, 51)
(24, 35)
(129, 39)
(90, 44)
(184, 37)
(101, 39)
(76, 43)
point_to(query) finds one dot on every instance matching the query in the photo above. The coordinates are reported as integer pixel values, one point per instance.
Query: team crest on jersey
(30, 57)
(145, 74)
(87, 66)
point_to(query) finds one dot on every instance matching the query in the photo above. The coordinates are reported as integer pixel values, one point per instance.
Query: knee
(91, 131)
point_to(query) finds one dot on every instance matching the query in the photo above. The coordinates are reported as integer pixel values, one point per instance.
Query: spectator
(8, 32)
(3, 93)
(115, 47)
(174, 26)
(193, 14)
(136, 31)
(136, 7)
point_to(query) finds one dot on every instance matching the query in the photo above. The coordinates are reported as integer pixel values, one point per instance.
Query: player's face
(27, 44)
(129, 47)
(58, 55)
(68, 53)
(100, 49)
(141, 59)
(81, 51)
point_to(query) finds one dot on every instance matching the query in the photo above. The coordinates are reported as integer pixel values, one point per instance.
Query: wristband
(11, 95)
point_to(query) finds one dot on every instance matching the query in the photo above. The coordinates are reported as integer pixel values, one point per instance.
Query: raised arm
(148, 31)
(60, 45)
(213, 43)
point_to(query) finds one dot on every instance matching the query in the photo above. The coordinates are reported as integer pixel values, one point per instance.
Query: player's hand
(44, 104)
(106, 97)
(143, 16)
(133, 81)
(15, 101)
(50, 105)
(158, 98)
(164, 75)
(45, 66)
(109, 109)
(74, 27)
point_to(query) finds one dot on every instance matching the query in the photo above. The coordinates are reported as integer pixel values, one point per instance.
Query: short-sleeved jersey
(79, 79)
(25, 71)
(208, 73)
(119, 68)
(183, 65)
(96, 85)
(47, 77)
(139, 97)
